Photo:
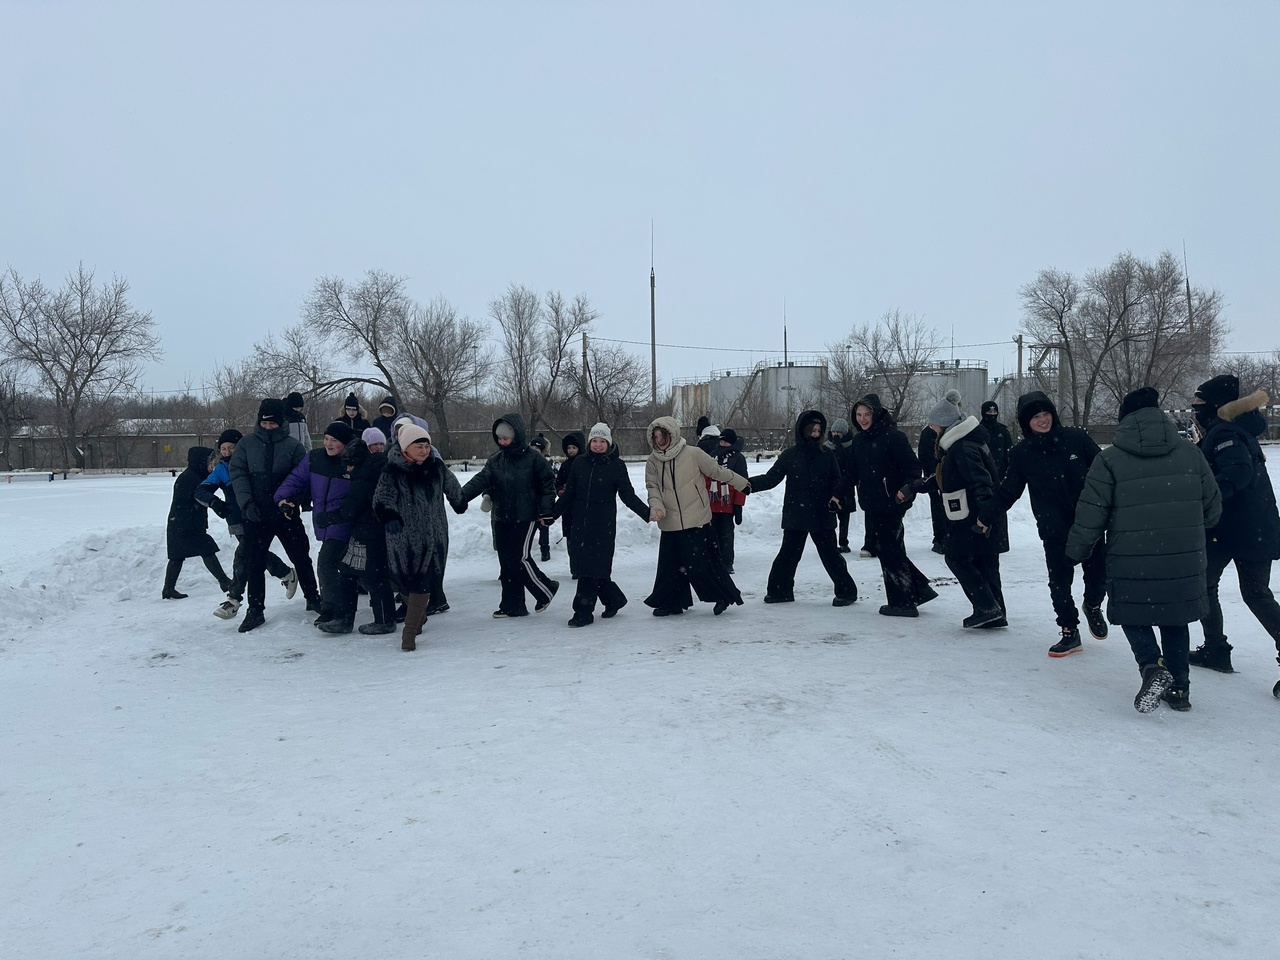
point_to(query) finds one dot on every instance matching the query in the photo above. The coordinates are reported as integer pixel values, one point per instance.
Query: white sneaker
(227, 609)
(290, 584)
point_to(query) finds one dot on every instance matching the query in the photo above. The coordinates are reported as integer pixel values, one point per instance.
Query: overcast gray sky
(843, 158)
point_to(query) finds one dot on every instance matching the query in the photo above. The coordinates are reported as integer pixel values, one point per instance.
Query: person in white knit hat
(596, 480)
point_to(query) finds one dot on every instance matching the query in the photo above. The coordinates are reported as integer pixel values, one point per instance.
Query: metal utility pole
(1018, 341)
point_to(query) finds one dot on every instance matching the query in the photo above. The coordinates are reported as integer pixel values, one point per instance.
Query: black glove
(908, 494)
(737, 514)
(250, 513)
(218, 507)
(288, 509)
(394, 526)
(460, 506)
(328, 519)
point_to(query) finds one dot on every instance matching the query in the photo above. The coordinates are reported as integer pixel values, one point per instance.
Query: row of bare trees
(370, 335)
(1130, 324)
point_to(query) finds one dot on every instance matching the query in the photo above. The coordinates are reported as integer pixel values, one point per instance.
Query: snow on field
(791, 781)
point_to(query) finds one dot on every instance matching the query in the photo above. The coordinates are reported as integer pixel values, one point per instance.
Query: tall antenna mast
(653, 326)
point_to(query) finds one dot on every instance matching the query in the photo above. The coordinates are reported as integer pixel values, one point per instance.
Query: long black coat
(967, 467)
(415, 494)
(1250, 527)
(885, 462)
(517, 478)
(357, 506)
(187, 529)
(1153, 495)
(595, 482)
(812, 475)
(1052, 466)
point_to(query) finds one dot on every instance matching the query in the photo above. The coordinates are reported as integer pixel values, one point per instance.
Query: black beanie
(339, 431)
(1139, 399)
(703, 423)
(351, 401)
(1221, 389)
(294, 400)
(728, 435)
(991, 407)
(230, 436)
(271, 409)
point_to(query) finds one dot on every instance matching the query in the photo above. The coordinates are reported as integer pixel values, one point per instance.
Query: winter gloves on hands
(737, 514)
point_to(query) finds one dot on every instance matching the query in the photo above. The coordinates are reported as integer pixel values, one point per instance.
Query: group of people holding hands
(1152, 521)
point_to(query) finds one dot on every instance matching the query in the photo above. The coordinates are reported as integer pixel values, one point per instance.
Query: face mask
(1205, 414)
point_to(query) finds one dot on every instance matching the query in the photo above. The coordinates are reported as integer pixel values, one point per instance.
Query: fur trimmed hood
(1233, 409)
(961, 429)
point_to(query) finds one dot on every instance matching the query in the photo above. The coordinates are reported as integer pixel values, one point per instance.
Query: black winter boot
(1212, 656)
(252, 620)
(171, 572)
(1155, 681)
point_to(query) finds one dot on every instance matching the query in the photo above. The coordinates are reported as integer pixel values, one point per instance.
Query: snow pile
(87, 569)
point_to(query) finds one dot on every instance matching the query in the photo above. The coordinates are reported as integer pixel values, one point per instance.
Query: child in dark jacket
(187, 529)
(726, 502)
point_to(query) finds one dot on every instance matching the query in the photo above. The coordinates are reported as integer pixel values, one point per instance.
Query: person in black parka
(1051, 461)
(573, 445)
(258, 466)
(883, 463)
(187, 528)
(1000, 441)
(812, 497)
(966, 479)
(840, 442)
(353, 416)
(1154, 496)
(521, 489)
(388, 410)
(1249, 533)
(596, 480)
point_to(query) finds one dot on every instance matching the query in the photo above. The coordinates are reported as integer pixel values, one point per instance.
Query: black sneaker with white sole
(555, 587)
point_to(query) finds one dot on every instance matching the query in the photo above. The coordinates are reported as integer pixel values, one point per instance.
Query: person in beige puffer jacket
(688, 557)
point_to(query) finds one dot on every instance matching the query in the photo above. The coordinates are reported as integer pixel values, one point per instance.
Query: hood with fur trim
(673, 430)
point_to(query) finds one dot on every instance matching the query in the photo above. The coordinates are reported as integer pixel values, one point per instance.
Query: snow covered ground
(792, 781)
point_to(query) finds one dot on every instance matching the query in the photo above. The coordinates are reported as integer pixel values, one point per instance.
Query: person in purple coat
(322, 479)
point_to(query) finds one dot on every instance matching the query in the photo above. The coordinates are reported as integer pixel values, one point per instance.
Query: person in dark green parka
(1153, 495)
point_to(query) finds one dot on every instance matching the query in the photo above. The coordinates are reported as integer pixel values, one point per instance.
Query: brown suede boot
(415, 616)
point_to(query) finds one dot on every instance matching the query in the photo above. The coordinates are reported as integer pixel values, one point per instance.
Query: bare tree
(443, 358)
(1125, 326)
(896, 351)
(13, 408)
(536, 346)
(614, 384)
(85, 345)
(848, 379)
